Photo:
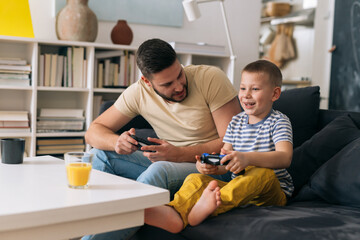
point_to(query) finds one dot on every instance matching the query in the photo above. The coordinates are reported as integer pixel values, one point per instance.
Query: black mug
(12, 150)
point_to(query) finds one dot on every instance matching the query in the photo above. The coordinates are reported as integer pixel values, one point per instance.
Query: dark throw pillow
(301, 105)
(338, 180)
(320, 148)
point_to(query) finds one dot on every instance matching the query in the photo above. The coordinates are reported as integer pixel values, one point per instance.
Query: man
(188, 107)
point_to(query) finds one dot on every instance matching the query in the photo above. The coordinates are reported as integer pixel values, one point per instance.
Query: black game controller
(143, 142)
(213, 159)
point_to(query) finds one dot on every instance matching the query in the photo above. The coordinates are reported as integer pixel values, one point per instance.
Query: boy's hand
(205, 168)
(237, 161)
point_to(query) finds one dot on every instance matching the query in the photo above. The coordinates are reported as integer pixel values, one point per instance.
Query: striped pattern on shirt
(262, 137)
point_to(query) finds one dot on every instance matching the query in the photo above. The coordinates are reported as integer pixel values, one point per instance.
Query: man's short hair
(268, 67)
(153, 56)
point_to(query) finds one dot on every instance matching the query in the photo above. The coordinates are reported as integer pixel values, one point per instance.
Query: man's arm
(222, 116)
(102, 131)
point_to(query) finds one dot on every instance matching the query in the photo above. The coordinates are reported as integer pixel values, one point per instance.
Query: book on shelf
(60, 141)
(54, 124)
(78, 67)
(132, 68)
(68, 68)
(47, 69)
(100, 75)
(58, 151)
(41, 70)
(61, 112)
(20, 76)
(55, 120)
(69, 79)
(59, 70)
(109, 54)
(15, 82)
(14, 124)
(66, 146)
(115, 69)
(19, 68)
(198, 48)
(14, 116)
(15, 130)
(14, 121)
(84, 81)
(59, 145)
(13, 61)
(107, 81)
(122, 72)
(65, 72)
(53, 70)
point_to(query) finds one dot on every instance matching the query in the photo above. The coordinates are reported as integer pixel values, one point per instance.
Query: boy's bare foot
(164, 217)
(209, 201)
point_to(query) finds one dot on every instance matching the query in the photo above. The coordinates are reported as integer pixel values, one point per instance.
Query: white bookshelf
(35, 97)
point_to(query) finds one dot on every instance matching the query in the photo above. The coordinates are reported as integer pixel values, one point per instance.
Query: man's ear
(277, 93)
(147, 81)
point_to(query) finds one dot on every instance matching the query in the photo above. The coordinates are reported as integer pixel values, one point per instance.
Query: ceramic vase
(76, 22)
(122, 33)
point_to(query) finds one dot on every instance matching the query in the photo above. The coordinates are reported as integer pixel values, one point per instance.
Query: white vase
(76, 22)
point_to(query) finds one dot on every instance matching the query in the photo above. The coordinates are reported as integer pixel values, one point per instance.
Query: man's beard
(171, 99)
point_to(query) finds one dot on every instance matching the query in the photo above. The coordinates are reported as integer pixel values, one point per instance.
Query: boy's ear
(147, 81)
(277, 93)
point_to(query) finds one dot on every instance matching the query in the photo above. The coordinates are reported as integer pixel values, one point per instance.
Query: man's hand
(162, 152)
(126, 144)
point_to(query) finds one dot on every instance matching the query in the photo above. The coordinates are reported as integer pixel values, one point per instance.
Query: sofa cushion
(299, 221)
(320, 148)
(338, 180)
(301, 105)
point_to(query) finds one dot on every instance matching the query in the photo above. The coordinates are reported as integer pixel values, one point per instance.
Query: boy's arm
(280, 158)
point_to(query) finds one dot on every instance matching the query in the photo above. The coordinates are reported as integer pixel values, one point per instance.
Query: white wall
(243, 17)
(324, 21)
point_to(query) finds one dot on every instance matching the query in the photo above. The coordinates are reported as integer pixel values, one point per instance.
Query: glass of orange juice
(78, 167)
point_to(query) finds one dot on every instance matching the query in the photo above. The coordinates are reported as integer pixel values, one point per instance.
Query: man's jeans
(136, 166)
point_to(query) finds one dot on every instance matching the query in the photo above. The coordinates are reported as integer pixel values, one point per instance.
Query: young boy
(259, 140)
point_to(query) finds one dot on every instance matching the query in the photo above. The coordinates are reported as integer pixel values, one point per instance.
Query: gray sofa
(326, 174)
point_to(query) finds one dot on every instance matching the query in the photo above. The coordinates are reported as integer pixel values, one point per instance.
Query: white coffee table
(35, 202)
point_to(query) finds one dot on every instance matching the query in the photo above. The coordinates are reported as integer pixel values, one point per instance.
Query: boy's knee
(197, 178)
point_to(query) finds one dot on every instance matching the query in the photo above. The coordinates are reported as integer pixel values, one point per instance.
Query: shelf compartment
(62, 99)
(15, 99)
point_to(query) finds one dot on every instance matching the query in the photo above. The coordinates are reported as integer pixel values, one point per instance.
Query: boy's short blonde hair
(268, 67)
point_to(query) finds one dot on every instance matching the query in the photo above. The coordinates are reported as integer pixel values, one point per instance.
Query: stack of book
(115, 69)
(14, 72)
(14, 121)
(60, 120)
(68, 69)
(59, 145)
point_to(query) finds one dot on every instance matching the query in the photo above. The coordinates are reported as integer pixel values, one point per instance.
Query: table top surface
(36, 192)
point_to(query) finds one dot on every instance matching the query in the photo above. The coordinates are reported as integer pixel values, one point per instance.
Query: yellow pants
(258, 186)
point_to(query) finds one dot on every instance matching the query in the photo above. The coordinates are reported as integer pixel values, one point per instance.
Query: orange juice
(78, 173)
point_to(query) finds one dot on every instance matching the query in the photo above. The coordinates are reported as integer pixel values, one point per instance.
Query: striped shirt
(261, 137)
